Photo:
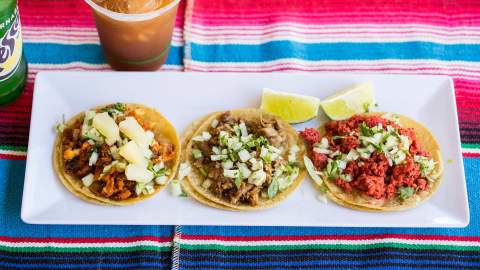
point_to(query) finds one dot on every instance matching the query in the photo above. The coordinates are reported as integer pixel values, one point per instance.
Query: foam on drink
(131, 6)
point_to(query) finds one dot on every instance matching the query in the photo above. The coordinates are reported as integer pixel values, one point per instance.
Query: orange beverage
(135, 34)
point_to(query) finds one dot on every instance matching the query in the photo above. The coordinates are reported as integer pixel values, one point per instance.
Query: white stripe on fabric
(300, 27)
(471, 150)
(77, 35)
(13, 153)
(330, 242)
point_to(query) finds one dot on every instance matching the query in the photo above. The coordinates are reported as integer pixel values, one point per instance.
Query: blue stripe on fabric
(325, 261)
(11, 187)
(472, 173)
(275, 50)
(52, 53)
(337, 266)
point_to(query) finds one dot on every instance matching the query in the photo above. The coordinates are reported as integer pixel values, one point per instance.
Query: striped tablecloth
(401, 37)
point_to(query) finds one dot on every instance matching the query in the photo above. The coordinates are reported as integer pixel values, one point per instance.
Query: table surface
(373, 36)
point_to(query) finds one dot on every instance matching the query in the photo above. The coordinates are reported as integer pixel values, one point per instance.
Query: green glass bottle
(13, 66)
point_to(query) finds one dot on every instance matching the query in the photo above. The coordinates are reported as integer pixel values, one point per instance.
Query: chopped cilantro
(115, 108)
(238, 181)
(365, 130)
(196, 153)
(120, 106)
(203, 172)
(366, 107)
(273, 189)
(450, 161)
(323, 189)
(405, 192)
(337, 137)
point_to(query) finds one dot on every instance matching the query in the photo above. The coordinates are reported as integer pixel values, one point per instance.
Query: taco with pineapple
(117, 154)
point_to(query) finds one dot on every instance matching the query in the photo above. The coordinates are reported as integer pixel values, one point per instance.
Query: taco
(116, 154)
(376, 161)
(243, 159)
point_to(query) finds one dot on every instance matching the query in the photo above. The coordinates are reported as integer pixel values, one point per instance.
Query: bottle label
(11, 45)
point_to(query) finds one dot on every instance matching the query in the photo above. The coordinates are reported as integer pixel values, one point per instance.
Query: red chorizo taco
(376, 161)
(243, 160)
(116, 154)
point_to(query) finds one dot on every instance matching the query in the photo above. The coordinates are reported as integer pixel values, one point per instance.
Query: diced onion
(257, 178)
(161, 180)
(230, 173)
(93, 158)
(206, 183)
(176, 188)
(184, 170)
(87, 180)
(244, 155)
(214, 123)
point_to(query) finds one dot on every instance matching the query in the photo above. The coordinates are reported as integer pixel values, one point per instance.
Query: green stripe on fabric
(13, 148)
(84, 249)
(471, 145)
(329, 247)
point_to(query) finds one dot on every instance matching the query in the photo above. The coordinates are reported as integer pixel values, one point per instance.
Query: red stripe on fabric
(474, 155)
(330, 237)
(254, 12)
(67, 13)
(85, 240)
(12, 157)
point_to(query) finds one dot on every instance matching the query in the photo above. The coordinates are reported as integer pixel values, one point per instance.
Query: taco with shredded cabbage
(117, 154)
(243, 159)
(375, 161)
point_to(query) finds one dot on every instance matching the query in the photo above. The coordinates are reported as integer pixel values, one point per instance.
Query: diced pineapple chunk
(132, 129)
(107, 127)
(138, 174)
(131, 152)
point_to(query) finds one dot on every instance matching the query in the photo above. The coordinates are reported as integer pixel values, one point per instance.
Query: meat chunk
(344, 185)
(78, 166)
(372, 185)
(252, 196)
(274, 136)
(347, 143)
(319, 160)
(310, 135)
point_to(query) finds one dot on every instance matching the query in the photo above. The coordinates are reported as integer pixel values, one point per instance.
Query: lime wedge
(358, 98)
(292, 108)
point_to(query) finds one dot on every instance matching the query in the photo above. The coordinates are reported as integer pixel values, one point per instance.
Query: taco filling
(242, 161)
(114, 153)
(371, 155)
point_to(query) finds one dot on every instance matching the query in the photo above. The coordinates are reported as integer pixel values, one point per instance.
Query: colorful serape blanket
(400, 37)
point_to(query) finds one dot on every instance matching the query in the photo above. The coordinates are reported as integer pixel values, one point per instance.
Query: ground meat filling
(224, 187)
(374, 174)
(114, 184)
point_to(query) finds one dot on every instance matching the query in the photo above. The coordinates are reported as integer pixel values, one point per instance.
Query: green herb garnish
(273, 189)
(196, 153)
(365, 130)
(203, 172)
(405, 192)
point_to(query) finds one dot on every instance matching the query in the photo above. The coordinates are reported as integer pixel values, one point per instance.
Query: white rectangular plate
(184, 97)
